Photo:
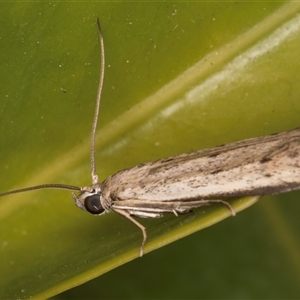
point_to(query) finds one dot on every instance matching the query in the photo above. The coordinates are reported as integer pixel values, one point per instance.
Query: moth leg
(183, 207)
(208, 202)
(139, 225)
(175, 212)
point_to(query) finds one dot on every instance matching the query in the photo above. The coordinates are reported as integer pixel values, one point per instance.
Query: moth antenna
(93, 134)
(96, 115)
(42, 186)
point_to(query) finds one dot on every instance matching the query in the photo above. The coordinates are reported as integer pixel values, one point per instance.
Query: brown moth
(253, 167)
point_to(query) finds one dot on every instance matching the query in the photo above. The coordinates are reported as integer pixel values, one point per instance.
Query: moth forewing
(257, 166)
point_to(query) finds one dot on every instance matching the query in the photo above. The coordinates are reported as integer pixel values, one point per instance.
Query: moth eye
(93, 204)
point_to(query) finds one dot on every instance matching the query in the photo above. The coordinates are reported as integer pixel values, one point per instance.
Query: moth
(257, 166)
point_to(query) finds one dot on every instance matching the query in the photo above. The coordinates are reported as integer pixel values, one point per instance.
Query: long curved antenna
(42, 186)
(94, 127)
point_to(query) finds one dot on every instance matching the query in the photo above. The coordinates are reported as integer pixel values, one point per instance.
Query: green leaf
(179, 77)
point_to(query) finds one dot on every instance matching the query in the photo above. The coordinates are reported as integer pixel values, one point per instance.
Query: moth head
(90, 200)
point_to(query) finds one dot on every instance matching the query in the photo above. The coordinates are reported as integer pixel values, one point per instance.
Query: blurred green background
(179, 77)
